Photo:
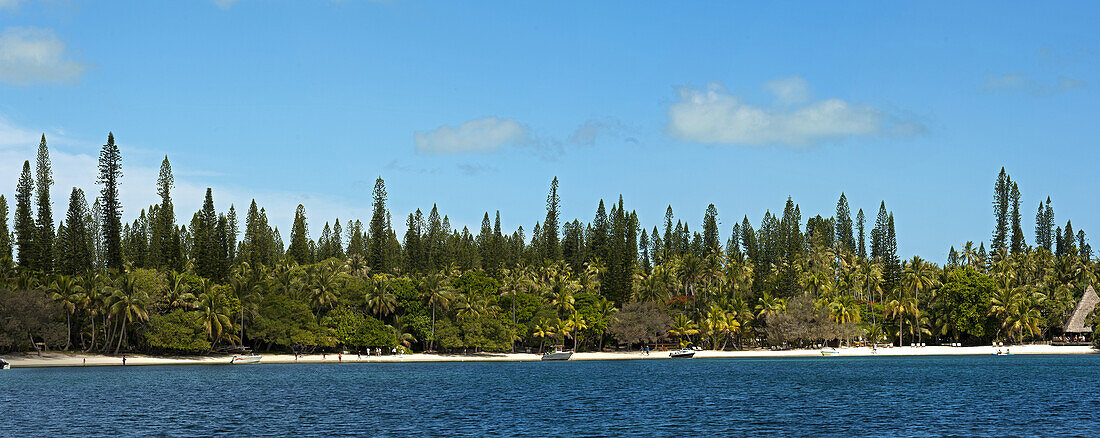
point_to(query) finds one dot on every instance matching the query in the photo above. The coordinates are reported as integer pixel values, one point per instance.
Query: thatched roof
(1076, 321)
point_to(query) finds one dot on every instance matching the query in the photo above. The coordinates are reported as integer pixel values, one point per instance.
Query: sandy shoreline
(62, 359)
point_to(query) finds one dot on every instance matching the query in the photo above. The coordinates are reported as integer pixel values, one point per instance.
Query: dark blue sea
(876, 396)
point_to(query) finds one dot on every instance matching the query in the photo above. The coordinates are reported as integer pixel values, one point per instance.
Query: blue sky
(477, 106)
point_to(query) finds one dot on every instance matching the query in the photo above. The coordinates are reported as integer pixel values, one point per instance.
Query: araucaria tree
(110, 176)
(44, 250)
(26, 232)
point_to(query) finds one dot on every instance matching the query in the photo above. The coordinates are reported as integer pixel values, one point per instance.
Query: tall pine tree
(1018, 245)
(299, 249)
(5, 236)
(44, 179)
(861, 222)
(110, 175)
(26, 233)
(1001, 201)
(550, 244)
(376, 254)
(843, 224)
(77, 246)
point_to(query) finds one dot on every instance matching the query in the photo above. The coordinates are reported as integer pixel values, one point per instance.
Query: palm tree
(401, 333)
(471, 307)
(437, 291)
(247, 291)
(176, 294)
(94, 300)
(130, 304)
(769, 305)
(919, 276)
(324, 283)
(357, 266)
(683, 326)
(716, 325)
(380, 298)
(67, 293)
(605, 309)
(543, 330)
(970, 255)
(215, 312)
(572, 328)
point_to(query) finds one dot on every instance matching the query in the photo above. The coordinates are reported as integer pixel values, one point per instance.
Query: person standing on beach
(123, 360)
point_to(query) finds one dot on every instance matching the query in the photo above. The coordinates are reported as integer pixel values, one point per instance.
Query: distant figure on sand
(123, 360)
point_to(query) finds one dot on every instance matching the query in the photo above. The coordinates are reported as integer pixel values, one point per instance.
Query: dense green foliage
(156, 285)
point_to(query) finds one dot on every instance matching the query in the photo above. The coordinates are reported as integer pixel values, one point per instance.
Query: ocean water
(837, 396)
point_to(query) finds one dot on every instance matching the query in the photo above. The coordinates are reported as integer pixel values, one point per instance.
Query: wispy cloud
(789, 91)
(714, 116)
(593, 129)
(6, 4)
(1022, 83)
(472, 169)
(479, 135)
(31, 55)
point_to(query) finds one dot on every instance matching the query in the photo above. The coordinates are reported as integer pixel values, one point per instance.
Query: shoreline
(69, 359)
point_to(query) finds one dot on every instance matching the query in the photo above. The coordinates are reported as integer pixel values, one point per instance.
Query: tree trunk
(121, 336)
(901, 331)
(93, 334)
(33, 344)
(69, 330)
(431, 342)
(513, 321)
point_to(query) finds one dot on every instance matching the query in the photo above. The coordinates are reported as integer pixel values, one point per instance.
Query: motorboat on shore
(683, 353)
(245, 359)
(830, 352)
(4, 365)
(559, 353)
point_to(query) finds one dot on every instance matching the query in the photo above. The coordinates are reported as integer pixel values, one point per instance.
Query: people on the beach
(123, 360)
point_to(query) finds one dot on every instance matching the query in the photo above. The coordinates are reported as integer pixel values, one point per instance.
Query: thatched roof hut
(1076, 321)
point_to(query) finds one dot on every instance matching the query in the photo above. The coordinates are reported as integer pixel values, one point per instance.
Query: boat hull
(558, 355)
(682, 355)
(242, 360)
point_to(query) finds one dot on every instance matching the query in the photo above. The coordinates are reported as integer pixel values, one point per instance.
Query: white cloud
(30, 55)
(714, 116)
(789, 91)
(8, 4)
(480, 135)
(1020, 82)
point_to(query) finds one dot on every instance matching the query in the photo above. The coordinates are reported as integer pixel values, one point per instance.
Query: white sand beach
(63, 359)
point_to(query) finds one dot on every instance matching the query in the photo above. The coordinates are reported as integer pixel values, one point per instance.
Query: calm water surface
(921, 396)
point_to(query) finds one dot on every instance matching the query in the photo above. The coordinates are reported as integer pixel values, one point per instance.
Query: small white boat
(4, 365)
(251, 358)
(683, 353)
(830, 352)
(559, 353)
